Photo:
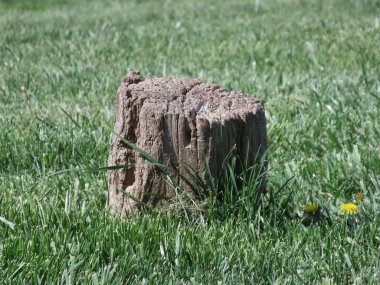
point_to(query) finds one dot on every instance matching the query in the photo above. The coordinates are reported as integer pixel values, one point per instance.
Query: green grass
(316, 64)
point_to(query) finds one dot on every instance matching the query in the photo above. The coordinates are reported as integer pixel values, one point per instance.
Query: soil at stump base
(177, 120)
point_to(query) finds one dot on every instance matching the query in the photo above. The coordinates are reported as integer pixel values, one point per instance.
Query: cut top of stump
(178, 120)
(189, 97)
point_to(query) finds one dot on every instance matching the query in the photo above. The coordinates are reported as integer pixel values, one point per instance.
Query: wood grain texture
(178, 120)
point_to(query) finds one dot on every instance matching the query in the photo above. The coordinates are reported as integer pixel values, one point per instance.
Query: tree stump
(177, 120)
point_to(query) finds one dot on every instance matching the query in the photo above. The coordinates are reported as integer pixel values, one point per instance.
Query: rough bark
(177, 120)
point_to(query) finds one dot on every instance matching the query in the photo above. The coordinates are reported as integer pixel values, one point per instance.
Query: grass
(315, 64)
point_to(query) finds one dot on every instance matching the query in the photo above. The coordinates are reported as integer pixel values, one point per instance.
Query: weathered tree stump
(177, 120)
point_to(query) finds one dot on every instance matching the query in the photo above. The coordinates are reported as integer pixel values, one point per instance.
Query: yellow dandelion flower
(349, 208)
(311, 208)
(359, 196)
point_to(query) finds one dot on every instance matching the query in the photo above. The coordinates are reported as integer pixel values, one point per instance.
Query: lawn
(314, 63)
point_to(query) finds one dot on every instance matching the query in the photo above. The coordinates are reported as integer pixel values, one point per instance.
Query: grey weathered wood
(177, 120)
